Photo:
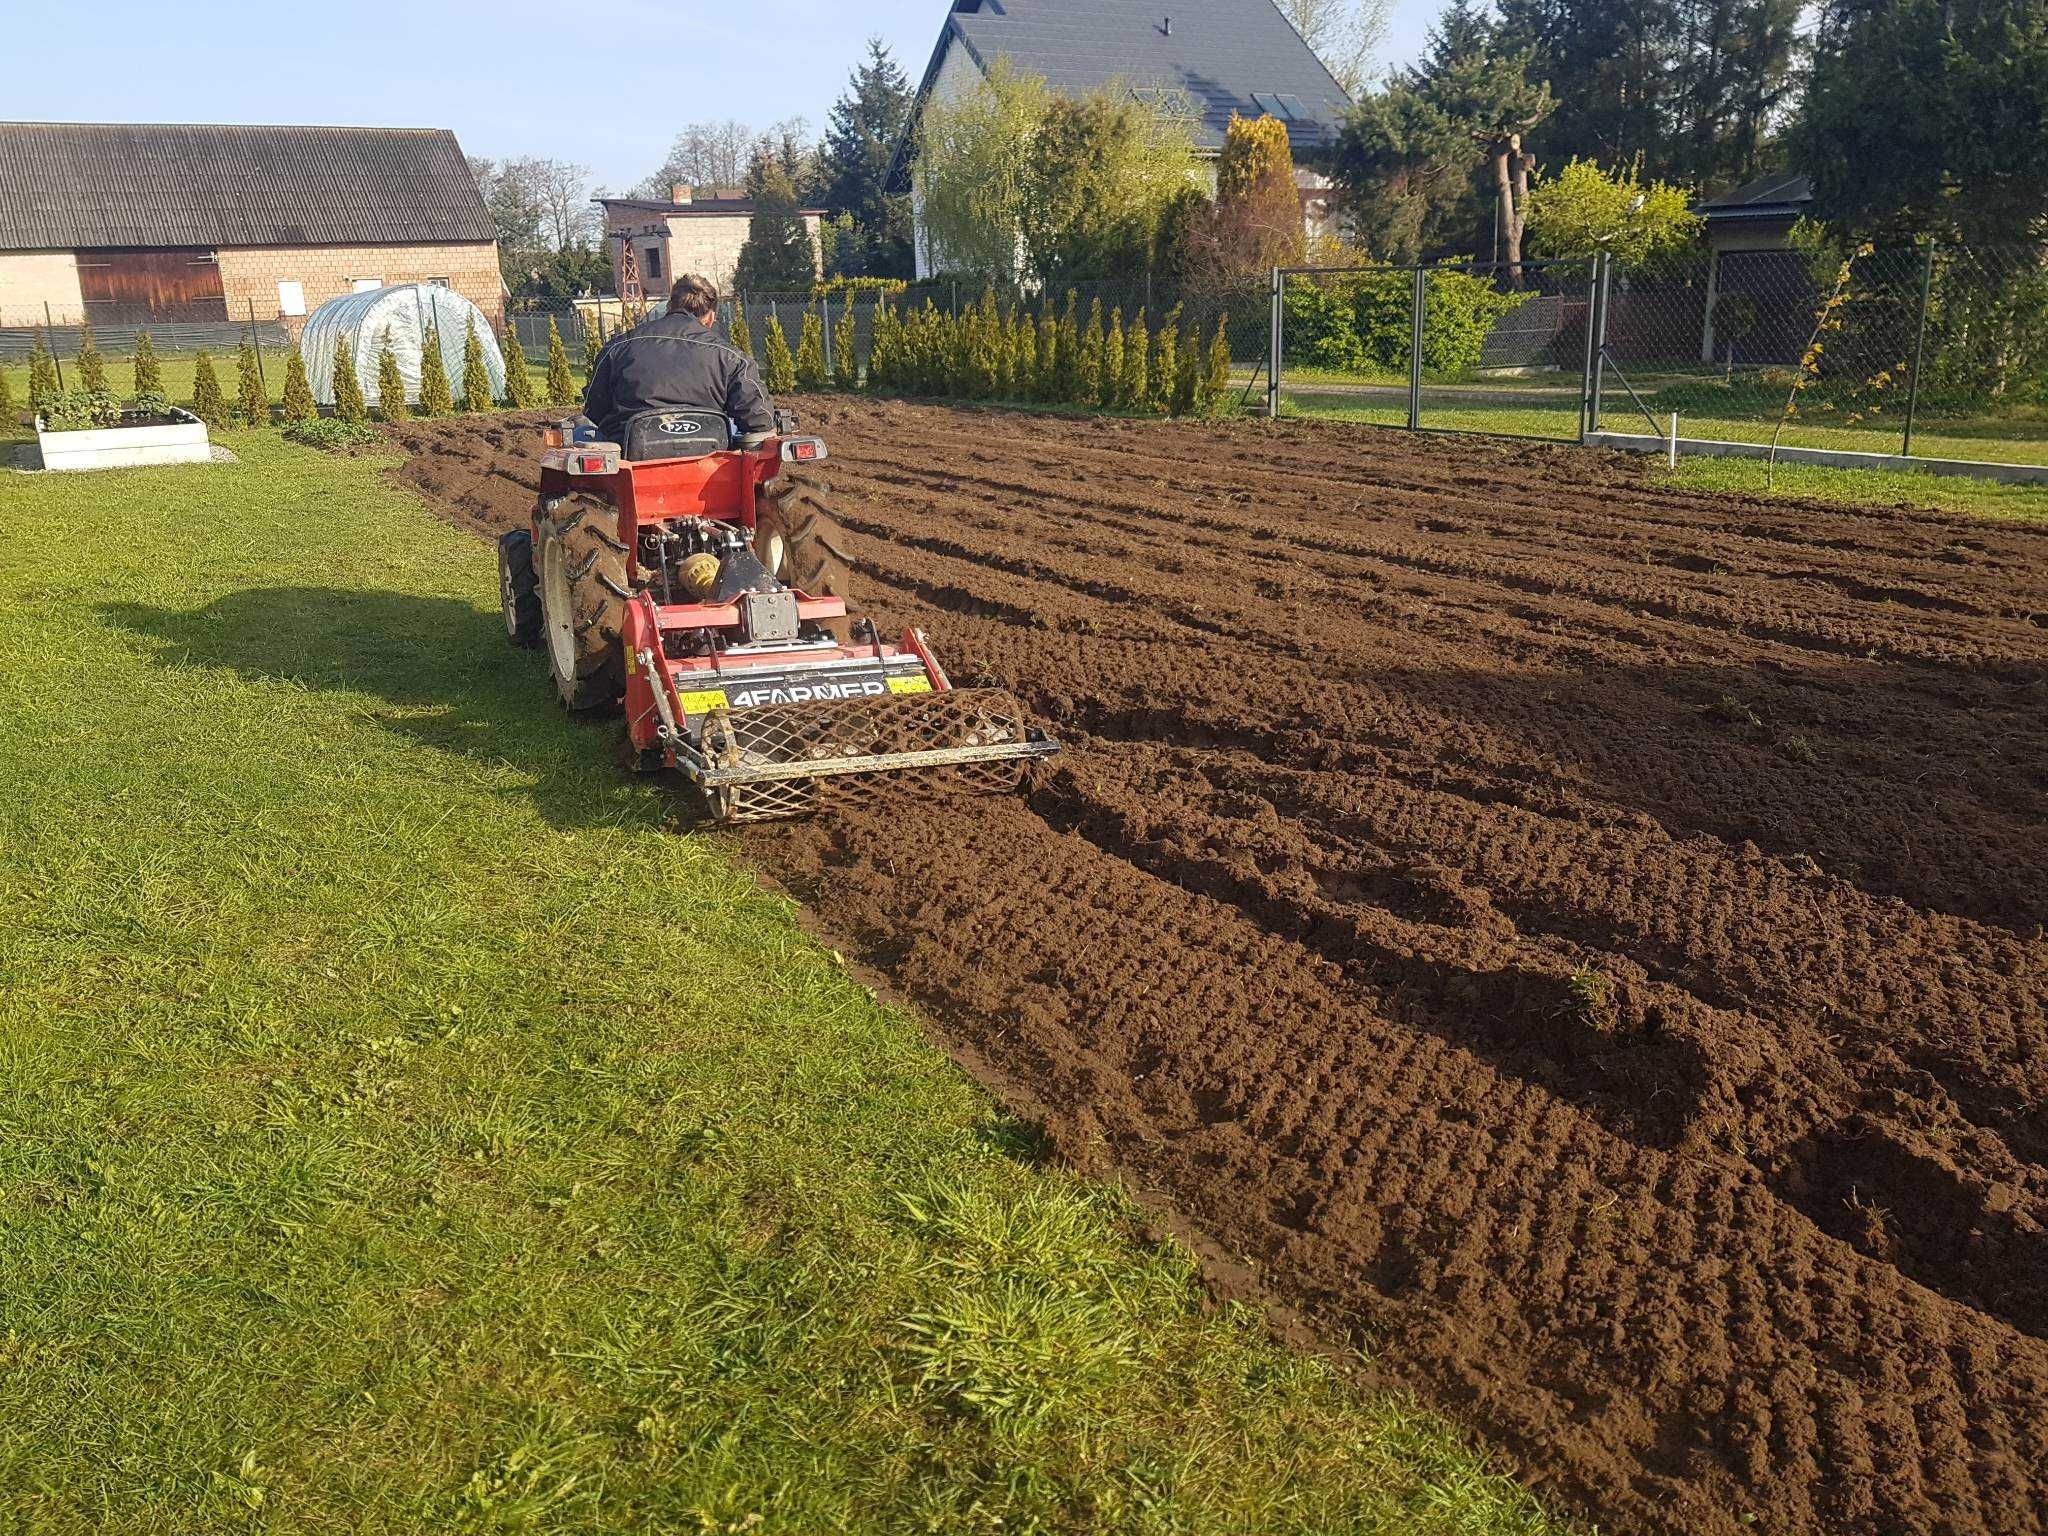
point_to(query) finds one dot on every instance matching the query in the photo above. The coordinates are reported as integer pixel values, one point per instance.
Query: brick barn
(132, 224)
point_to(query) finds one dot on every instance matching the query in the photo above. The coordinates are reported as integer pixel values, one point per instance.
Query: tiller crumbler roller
(704, 588)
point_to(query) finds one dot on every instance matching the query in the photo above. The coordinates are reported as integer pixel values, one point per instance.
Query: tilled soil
(1580, 940)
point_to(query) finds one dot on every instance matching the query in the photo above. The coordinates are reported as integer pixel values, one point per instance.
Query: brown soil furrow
(1582, 941)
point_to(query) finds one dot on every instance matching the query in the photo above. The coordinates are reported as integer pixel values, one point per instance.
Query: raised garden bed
(153, 437)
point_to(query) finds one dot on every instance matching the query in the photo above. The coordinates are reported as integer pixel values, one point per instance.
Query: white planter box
(183, 442)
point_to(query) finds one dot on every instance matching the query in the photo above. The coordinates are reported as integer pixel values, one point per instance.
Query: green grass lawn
(404, 1127)
(1860, 487)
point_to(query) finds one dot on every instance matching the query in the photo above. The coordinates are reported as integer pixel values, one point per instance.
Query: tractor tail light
(803, 450)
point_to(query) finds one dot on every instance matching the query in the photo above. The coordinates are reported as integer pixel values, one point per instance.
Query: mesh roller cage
(790, 760)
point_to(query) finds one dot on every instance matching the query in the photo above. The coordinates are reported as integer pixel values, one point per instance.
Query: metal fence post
(1415, 351)
(1919, 350)
(1586, 414)
(50, 332)
(1602, 288)
(826, 301)
(256, 345)
(1276, 342)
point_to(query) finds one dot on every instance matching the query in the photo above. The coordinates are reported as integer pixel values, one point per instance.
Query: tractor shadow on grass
(435, 670)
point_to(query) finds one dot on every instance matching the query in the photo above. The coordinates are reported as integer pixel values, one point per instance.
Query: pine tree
(561, 383)
(778, 256)
(810, 353)
(252, 404)
(518, 377)
(1087, 377)
(1165, 367)
(845, 339)
(149, 373)
(92, 368)
(1134, 392)
(1109, 376)
(476, 377)
(298, 394)
(208, 403)
(391, 402)
(778, 368)
(348, 389)
(42, 374)
(867, 124)
(742, 335)
(1216, 377)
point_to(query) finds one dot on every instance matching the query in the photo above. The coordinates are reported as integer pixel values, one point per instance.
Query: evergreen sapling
(391, 402)
(92, 368)
(518, 377)
(298, 393)
(476, 378)
(208, 403)
(778, 368)
(252, 404)
(348, 389)
(561, 383)
(149, 373)
(436, 399)
(810, 353)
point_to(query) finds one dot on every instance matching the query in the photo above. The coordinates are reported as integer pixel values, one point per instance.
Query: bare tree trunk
(1511, 181)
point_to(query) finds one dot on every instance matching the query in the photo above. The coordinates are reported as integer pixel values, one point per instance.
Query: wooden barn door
(136, 287)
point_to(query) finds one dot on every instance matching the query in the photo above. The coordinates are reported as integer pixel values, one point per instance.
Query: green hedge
(1364, 323)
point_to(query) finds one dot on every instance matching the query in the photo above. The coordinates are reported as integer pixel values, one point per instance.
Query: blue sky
(606, 84)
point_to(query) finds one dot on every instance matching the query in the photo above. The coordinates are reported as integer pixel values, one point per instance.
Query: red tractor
(703, 588)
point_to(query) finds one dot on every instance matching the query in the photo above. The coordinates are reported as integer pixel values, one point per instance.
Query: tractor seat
(651, 436)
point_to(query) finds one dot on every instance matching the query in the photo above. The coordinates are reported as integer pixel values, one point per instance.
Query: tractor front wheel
(583, 596)
(519, 589)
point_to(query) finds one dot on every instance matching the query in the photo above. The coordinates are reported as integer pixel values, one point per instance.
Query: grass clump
(335, 1097)
(333, 433)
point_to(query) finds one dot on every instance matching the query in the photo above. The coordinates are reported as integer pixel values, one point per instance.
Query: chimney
(681, 192)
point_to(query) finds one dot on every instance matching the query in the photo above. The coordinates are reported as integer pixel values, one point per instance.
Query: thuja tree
(1133, 392)
(1109, 375)
(208, 403)
(391, 402)
(6, 399)
(149, 373)
(810, 353)
(348, 389)
(561, 383)
(298, 394)
(92, 368)
(518, 377)
(476, 378)
(742, 337)
(593, 343)
(42, 374)
(778, 367)
(1215, 381)
(252, 404)
(845, 339)
(1165, 366)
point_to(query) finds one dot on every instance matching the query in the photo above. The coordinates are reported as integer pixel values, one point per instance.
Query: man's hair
(694, 295)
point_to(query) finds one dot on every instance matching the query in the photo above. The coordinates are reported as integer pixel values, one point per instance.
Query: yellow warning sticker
(705, 702)
(910, 685)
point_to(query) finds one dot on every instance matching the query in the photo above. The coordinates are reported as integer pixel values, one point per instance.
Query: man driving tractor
(679, 363)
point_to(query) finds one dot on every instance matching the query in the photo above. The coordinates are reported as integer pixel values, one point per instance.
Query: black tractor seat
(651, 436)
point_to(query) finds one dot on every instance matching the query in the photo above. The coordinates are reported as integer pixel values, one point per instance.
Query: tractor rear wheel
(519, 589)
(583, 596)
(798, 539)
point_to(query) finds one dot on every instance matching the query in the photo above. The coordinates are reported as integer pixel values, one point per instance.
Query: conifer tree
(348, 389)
(149, 373)
(1109, 377)
(593, 343)
(1023, 355)
(1187, 375)
(208, 403)
(518, 376)
(298, 393)
(845, 338)
(436, 399)
(92, 368)
(810, 353)
(6, 399)
(778, 368)
(391, 402)
(1087, 377)
(1134, 391)
(1216, 377)
(1164, 368)
(476, 377)
(42, 374)
(882, 349)
(561, 383)
(1045, 379)
(742, 335)
(252, 404)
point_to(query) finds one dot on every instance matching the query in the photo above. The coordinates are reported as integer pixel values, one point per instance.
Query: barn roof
(85, 186)
(1227, 56)
(1785, 195)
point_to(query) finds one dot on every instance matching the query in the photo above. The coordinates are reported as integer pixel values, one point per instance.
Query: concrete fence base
(1833, 458)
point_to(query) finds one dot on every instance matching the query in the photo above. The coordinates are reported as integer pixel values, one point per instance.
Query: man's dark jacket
(676, 363)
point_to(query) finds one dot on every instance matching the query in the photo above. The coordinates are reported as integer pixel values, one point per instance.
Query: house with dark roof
(1759, 297)
(1224, 58)
(653, 242)
(133, 223)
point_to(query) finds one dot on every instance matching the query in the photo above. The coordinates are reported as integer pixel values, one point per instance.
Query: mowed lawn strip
(403, 1127)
